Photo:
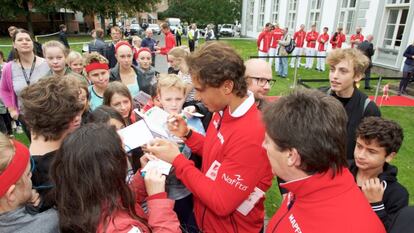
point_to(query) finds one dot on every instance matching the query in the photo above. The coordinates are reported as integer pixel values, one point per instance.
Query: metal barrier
(295, 74)
(377, 88)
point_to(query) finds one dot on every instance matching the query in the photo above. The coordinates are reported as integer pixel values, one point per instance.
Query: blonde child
(171, 92)
(74, 60)
(55, 54)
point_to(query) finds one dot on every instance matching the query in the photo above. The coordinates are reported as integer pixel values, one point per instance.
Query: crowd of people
(272, 42)
(329, 148)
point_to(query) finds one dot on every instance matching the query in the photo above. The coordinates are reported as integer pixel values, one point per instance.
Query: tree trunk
(52, 21)
(28, 16)
(103, 27)
(113, 19)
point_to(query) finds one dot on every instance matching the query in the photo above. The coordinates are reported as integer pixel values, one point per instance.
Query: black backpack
(291, 46)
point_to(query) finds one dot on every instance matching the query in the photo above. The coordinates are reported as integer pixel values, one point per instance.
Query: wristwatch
(189, 133)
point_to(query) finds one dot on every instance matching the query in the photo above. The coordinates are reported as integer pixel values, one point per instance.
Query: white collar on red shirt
(243, 107)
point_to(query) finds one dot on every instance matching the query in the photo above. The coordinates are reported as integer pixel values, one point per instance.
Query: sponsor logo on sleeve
(294, 224)
(235, 181)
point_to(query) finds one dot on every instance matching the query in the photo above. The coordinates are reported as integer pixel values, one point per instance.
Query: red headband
(16, 167)
(96, 66)
(120, 43)
(142, 50)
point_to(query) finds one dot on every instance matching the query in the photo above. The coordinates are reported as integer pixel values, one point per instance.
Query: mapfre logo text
(236, 182)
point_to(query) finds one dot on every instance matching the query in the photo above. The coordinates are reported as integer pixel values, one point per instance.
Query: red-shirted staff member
(263, 42)
(299, 38)
(235, 173)
(277, 34)
(337, 39)
(322, 45)
(357, 38)
(169, 40)
(311, 38)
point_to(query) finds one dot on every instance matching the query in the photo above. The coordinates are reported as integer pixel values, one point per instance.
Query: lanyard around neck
(31, 71)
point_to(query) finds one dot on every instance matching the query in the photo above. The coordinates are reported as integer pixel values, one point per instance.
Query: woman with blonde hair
(177, 56)
(55, 53)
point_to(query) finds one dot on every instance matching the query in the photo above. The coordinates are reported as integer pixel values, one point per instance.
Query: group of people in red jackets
(316, 44)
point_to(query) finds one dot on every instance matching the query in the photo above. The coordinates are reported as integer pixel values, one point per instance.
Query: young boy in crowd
(346, 68)
(52, 108)
(172, 93)
(377, 143)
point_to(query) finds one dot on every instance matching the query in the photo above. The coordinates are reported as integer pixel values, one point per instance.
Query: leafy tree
(104, 8)
(11, 9)
(204, 12)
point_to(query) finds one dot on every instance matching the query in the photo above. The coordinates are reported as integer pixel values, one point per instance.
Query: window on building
(292, 9)
(396, 19)
(315, 13)
(260, 21)
(347, 15)
(250, 15)
(397, 1)
(275, 11)
(393, 27)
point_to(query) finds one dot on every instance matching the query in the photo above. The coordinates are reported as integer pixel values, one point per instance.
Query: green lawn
(402, 115)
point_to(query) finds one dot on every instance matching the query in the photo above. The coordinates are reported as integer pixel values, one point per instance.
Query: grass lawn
(403, 115)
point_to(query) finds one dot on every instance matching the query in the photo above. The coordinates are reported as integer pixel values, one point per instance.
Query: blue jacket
(409, 53)
(149, 43)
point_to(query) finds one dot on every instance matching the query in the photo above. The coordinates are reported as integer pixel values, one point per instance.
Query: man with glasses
(259, 79)
(116, 36)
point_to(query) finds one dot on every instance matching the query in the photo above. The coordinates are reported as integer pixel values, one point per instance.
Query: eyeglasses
(263, 81)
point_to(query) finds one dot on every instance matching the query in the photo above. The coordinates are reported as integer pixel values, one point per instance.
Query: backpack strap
(367, 101)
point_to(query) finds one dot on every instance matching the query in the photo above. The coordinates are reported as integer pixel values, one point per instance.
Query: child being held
(378, 142)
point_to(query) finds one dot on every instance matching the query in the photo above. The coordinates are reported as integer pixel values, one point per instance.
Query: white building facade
(389, 21)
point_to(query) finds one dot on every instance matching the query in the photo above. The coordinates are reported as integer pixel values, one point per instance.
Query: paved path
(161, 64)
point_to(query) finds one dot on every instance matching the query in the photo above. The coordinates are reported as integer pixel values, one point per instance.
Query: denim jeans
(283, 67)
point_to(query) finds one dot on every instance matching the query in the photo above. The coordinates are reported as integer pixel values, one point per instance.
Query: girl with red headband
(128, 74)
(97, 70)
(16, 191)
